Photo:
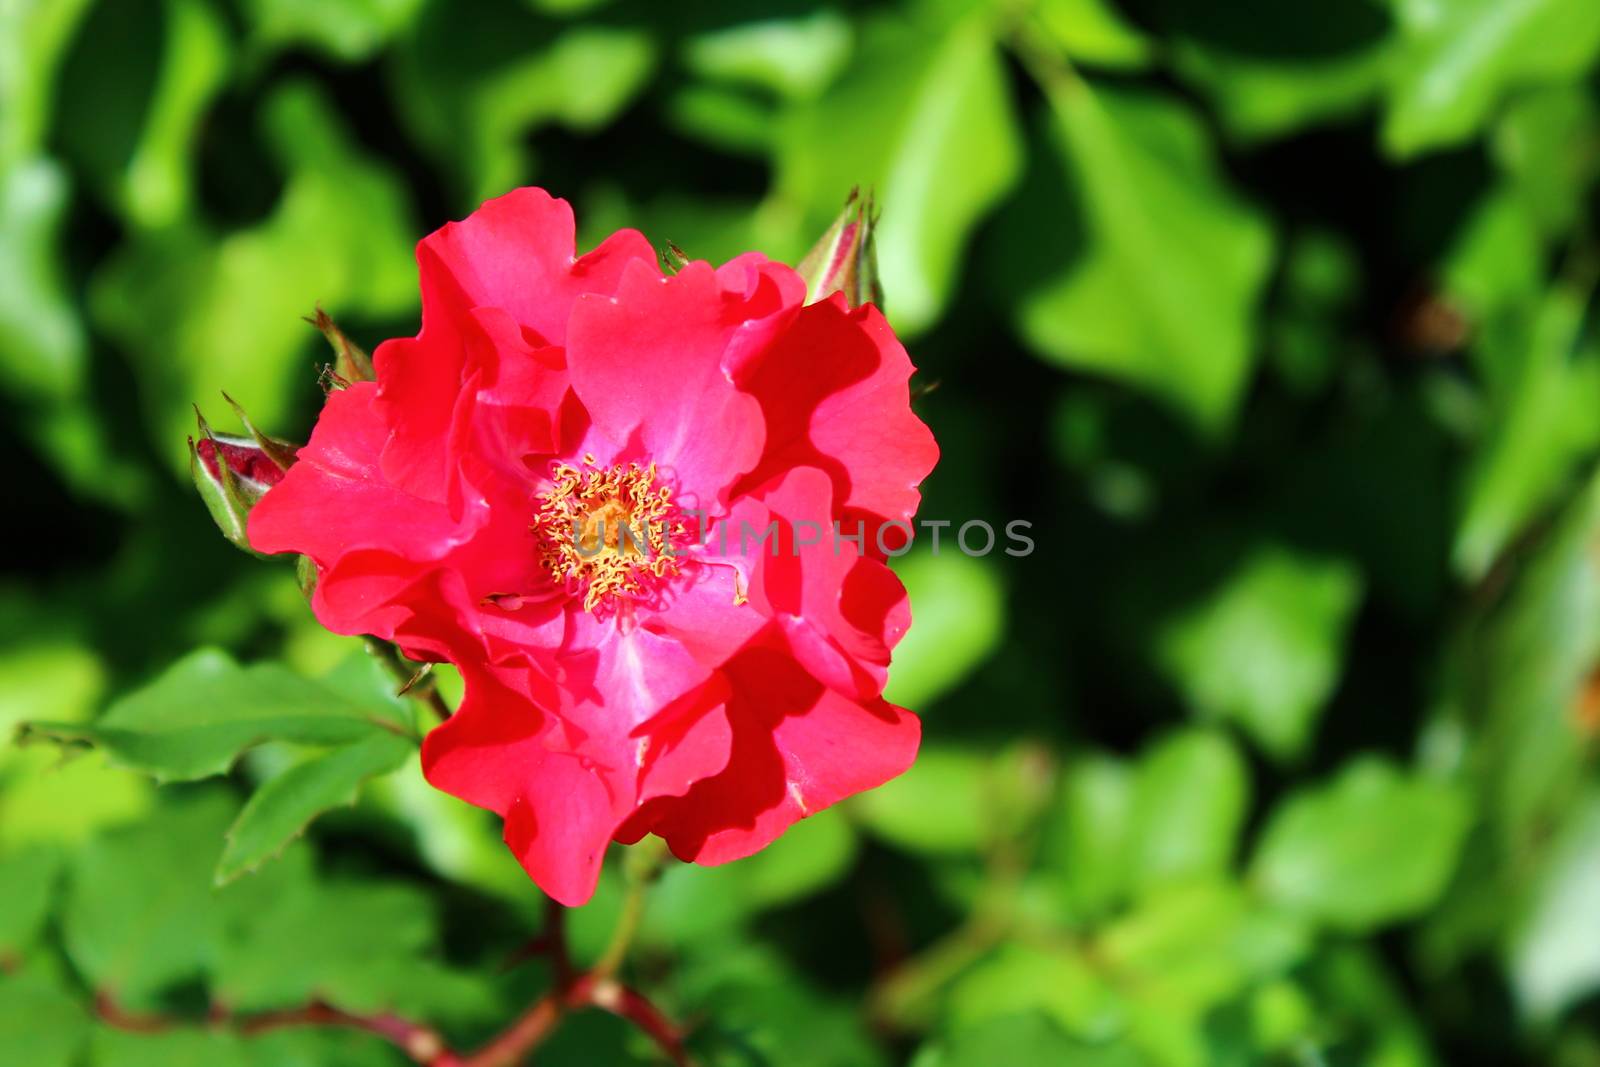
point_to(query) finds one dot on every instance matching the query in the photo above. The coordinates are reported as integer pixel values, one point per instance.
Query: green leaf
(27, 891)
(1190, 948)
(475, 79)
(689, 902)
(923, 117)
(1370, 847)
(187, 1047)
(1522, 672)
(760, 1010)
(135, 87)
(792, 57)
(1146, 266)
(1459, 59)
(1554, 953)
(938, 806)
(1088, 838)
(280, 810)
(1191, 795)
(286, 938)
(1093, 32)
(1273, 69)
(348, 30)
(1060, 983)
(41, 339)
(1260, 98)
(197, 718)
(1022, 1038)
(179, 299)
(1263, 649)
(40, 1026)
(138, 916)
(1544, 142)
(960, 612)
(1543, 390)
(33, 37)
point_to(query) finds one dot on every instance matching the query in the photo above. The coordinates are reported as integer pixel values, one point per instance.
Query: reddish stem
(426, 1047)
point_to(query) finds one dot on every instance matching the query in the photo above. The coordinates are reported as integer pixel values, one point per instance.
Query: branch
(594, 988)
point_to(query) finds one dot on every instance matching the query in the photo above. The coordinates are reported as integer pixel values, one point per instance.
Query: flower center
(606, 531)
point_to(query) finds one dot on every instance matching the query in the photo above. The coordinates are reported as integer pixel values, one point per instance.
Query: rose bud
(845, 259)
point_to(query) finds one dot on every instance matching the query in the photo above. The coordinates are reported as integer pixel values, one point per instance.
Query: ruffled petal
(833, 394)
(334, 502)
(648, 366)
(798, 747)
(495, 752)
(840, 611)
(514, 253)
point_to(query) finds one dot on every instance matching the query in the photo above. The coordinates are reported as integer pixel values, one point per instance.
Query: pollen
(607, 532)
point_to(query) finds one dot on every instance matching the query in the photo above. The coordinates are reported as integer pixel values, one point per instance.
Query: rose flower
(610, 497)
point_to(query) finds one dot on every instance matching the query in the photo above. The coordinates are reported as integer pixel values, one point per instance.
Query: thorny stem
(594, 988)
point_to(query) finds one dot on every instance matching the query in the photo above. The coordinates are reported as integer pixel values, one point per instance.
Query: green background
(1276, 320)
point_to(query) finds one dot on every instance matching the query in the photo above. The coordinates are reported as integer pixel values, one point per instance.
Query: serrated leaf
(280, 809)
(1142, 264)
(362, 946)
(138, 916)
(922, 117)
(198, 717)
(1372, 846)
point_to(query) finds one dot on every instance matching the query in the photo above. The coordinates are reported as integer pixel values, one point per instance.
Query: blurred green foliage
(1276, 320)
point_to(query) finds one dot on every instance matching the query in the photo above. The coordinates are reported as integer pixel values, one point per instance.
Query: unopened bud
(845, 260)
(233, 471)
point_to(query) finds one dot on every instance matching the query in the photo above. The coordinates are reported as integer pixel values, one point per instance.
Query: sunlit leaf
(1460, 58)
(198, 717)
(476, 78)
(280, 809)
(1555, 950)
(1191, 794)
(1149, 265)
(923, 117)
(1263, 649)
(182, 300)
(350, 30)
(959, 607)
(1370, 847)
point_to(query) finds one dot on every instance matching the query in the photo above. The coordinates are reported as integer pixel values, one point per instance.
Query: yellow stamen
(606, 530)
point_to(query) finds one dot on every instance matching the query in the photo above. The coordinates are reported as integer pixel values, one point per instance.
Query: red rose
(545, 487)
